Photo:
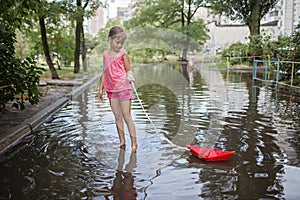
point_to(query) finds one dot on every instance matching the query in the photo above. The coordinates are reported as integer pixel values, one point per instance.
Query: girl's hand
(130, 77)
(100, 95)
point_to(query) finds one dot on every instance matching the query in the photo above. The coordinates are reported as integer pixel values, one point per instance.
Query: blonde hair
(117, 31)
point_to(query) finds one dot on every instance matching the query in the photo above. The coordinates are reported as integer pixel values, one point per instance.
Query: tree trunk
(54, 74)
(83, 51)
(183, 24)
(186, 47)
(184, 51)
(77, 40)
(77, 48)
(254, 21)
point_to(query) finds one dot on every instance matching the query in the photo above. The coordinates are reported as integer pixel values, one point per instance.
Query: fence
(268, 66)
(267, 70)
(293, 70)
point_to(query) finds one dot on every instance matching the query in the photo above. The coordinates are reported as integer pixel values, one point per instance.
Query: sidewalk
(15, 124)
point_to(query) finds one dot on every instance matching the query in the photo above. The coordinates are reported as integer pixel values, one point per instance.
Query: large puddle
(74, 154)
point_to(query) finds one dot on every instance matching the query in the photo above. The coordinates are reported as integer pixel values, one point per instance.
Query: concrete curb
(29, 125)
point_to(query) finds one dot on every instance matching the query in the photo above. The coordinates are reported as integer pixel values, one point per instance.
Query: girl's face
(116, 43)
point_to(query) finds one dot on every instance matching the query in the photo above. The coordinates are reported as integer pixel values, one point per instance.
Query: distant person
(191, 71)
(191, 61)
(191, 76)
(116, 80)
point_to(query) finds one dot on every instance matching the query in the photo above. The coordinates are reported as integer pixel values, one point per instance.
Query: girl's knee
(118, 117)
(128, 118)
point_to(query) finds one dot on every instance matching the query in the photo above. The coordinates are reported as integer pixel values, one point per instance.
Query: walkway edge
(36, 120)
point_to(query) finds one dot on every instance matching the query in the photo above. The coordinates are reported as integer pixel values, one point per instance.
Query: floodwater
(74, 154)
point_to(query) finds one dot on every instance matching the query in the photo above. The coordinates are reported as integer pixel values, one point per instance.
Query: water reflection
(73, 155)
(123, 184)
(191, 76)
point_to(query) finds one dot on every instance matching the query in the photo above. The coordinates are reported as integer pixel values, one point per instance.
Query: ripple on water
(75, 155)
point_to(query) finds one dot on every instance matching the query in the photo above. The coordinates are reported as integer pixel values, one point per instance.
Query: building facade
(282, 20)
(287, 15)
(99, 19)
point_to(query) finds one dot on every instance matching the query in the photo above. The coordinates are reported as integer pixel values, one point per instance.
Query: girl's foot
(134, 148)
(122, 146)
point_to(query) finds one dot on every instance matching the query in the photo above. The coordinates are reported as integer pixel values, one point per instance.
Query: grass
(67, 72)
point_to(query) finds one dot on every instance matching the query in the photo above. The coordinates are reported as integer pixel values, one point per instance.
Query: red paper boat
(210, 154)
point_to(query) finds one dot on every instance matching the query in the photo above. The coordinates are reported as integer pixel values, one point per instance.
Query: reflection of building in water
(222, 103)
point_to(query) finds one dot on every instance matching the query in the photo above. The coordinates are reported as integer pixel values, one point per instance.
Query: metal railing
(267, 70)
(268, 67)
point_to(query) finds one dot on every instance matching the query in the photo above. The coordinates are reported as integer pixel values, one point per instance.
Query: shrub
(19, 79)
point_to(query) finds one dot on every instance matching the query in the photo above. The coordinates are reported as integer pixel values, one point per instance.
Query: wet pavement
(15, 124)
(72, 155)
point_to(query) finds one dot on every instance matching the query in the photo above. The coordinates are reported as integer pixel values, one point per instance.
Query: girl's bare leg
(126, 110)
(116, 108)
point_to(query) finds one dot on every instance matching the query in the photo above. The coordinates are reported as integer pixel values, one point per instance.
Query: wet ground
(74, 154)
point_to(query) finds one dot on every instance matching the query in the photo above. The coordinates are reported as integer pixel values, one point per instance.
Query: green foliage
(249, 12)
(59, 33)
(19, 80)
(288, 50)
(176, 15)
(255, 45)
(241, 9)
(236, 49)
(285, 48)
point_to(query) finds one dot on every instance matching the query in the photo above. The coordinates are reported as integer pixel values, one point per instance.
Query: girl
(116, 80)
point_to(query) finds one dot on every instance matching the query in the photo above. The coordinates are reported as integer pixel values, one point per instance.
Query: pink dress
(115, 79)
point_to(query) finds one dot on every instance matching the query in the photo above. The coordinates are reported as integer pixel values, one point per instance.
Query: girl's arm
(100, 94)
(101, 84)
(127, 62)
(127, 68)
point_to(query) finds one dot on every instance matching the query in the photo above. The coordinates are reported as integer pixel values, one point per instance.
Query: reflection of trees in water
(259, 160)
(166, 94)
(233, 121)
(257, 150)
(158, 98)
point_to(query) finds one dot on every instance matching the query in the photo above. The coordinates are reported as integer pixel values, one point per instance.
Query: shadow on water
(74, 155)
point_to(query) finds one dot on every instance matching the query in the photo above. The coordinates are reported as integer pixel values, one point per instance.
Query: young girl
(116, 80)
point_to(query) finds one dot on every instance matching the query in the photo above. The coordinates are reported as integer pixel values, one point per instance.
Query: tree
(59, 35)
(18, 78)
(249, 12)
(177, 15)
(78, 29)
(44, 9)
(53, 71)
(81, 11)
(43, 12)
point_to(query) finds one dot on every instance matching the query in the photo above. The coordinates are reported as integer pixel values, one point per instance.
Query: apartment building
(281, 20)
(109, 9)
(99, 19)
(287, 14)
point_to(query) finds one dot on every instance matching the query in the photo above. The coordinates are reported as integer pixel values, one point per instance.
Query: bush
(236, 50)
(19, 79)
